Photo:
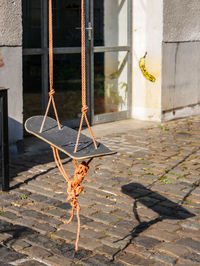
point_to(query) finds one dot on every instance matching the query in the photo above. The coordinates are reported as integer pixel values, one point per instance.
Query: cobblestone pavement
(139, 207)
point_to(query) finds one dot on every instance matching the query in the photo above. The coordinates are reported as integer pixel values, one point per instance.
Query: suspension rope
(74, 188)
(51, 91)
(83, 78)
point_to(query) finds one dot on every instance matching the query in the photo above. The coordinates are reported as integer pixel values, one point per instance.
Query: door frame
(90, 51)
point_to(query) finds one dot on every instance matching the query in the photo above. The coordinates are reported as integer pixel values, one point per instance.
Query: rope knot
(74, 187)
(81, 172)
(84, 109)
(52, 92)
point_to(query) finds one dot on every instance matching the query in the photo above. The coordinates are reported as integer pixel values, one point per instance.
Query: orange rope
(59, 163)
(74, 187)
(51, 92)
(83, 73)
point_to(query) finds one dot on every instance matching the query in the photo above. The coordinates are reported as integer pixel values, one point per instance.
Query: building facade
(119, 33)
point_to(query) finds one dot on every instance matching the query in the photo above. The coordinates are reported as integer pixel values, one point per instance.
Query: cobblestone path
(139, 207)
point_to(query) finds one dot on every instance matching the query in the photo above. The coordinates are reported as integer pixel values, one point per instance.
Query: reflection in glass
(67, 84)
(32, 92)
(110, 22)
(110, 82)
(31, 23)
(66, 23)
(98, 23)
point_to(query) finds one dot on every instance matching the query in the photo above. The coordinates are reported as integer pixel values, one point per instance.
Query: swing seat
(65, 139)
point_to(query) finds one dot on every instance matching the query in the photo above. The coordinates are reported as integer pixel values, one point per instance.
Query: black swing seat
(65, 139)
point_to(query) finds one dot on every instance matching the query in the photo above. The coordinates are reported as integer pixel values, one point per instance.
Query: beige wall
(147, 37)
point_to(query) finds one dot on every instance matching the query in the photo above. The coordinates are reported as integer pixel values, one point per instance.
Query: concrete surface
(11, 78)
(180, 92)
(10, 23)
(181, 20)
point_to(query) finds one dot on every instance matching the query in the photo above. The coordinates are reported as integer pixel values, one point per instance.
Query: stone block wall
(11, 65)
(181, 59)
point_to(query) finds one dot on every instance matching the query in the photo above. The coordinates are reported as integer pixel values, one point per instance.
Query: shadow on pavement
(165, 208)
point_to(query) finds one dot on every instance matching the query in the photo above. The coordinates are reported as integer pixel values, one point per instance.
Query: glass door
(108, 55)
(111, 59)
(67, 58)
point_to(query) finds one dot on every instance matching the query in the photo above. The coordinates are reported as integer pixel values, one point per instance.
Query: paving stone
(44, 228)
(9, 216)
(101, 207)
(58, 260)
(91, 234)
(165, 258)
(125, 225)
(72, 227)
(18, 244)
(25, 221)
(147, 242)
(116, 232)
(105, 218)
(31, 263)
(63, 234)
(55, 212)
(191, 225)
(183, 262)
(63, 206)
(41, 241)
(37, 252)
(107, 251)
(53, 222)
(120, 214)
(172, 249)
(98, 260)
(4, 264)
(33, 214)
(38, 197)
(97, 226)
(130, 259)
(161, 235)
(166, 226)
(89, 243)
(8, 255)
(190, 243)
(194, 257)
(140, 250)
(188, 233)
(148, 213)
(115, 242)
(67, 250)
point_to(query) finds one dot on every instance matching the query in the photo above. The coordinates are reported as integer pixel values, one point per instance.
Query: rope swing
(74, 187)
(64, 139)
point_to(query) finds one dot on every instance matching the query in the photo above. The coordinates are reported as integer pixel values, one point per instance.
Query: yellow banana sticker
(146, 74)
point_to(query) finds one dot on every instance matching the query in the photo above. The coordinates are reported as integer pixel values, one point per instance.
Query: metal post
(4, 140)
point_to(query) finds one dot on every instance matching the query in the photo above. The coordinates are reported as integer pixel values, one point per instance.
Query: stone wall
(181, 59)
(11, 64)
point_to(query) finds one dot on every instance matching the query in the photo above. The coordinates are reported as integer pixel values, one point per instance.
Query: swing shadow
(165, 209)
